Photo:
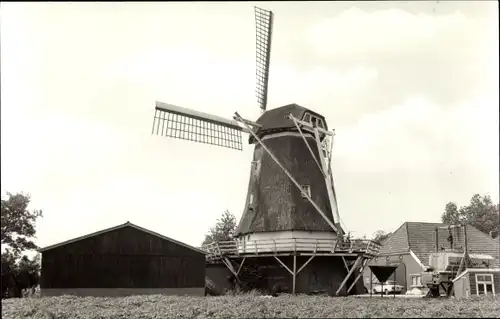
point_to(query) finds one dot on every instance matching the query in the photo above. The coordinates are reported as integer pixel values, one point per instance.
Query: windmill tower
(291, 206)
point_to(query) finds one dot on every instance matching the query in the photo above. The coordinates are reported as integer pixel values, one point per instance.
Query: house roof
(127, 224)
(420, 238)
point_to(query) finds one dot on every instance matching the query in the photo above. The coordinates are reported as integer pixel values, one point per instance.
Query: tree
(451, 215)
(481, 213)
(28, 273)
(17, 236)
(18, 224)
(380, 236)
(223, 230)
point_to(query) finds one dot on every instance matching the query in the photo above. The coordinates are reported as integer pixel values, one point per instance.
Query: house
(410, 246)
(476, 282)
(122, 260)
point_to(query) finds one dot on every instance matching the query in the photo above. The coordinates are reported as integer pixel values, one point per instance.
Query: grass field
(246, 306)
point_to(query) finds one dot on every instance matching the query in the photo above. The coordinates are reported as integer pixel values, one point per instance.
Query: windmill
(291, 194)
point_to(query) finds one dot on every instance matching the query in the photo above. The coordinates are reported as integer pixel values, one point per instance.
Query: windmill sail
(181, 123)
(264, 29)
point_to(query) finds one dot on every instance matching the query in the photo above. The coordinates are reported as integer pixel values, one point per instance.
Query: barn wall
(219, 274)
(123, 258)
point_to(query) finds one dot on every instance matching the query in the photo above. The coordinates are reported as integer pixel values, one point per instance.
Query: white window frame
(419, 280)
(320, 123)
(485, 282)
(307, 189)
(309, 119)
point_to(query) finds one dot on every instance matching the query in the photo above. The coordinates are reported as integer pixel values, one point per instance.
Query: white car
(389, 287)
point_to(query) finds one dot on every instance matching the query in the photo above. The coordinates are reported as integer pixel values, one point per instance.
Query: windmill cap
(276, 120)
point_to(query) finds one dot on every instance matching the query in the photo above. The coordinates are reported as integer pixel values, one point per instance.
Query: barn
(122, 260)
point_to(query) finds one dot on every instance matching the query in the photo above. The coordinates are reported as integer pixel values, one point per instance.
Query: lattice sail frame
(264, 29)
(182, 123)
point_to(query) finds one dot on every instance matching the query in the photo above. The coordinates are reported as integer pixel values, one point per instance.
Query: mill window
(307, 189)
(320, 124)
(250, 200)
(484, 284)
(255, 167)
(307, 118)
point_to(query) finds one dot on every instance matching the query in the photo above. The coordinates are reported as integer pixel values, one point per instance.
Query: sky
(411, 89)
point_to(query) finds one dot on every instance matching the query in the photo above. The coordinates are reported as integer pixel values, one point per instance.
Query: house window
(307, 189)
(250, 200)
(484, 284)
(416, 280)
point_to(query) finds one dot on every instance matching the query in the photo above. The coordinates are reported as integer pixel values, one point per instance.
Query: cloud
(420, 135)
(446, 57)
(406, 162)
(355, 31)
(316, 86)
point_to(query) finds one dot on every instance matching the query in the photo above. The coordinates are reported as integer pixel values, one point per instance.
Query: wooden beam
(371, 282)
(305, 264)
(345, 263)
(283, 264)
(294, 273)
(230, 266)
(253, 255)
(241, 265)
(328, 181)
(170, 108)
(309, 146)
(348, 275)
(359, 275)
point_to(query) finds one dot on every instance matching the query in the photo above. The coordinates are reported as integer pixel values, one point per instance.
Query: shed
(477, 282)
(122, 260)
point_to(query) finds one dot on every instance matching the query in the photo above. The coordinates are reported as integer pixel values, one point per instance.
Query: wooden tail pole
(294, 273)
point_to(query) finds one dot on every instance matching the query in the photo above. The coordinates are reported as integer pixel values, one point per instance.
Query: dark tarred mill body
(273, 202)
(290, 215)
